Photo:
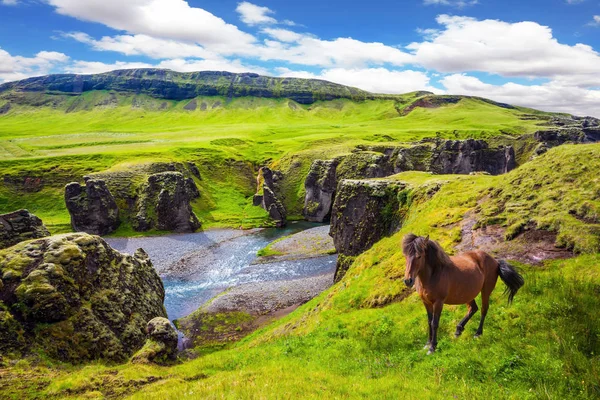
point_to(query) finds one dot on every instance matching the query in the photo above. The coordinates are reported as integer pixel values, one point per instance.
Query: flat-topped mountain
(171, 85)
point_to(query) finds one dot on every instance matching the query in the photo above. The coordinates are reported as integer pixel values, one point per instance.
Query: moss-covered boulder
(164, 203)
(74, 298)
(161, 346)
(18, 226)
(92, 207)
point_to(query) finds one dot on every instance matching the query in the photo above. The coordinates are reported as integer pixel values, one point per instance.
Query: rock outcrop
(161, 346)
(19, 226)
(320, 188)
(269, 199)
(364, 212)
(92, 207)
(448, 157)
(75, 298)
(466, 156)
(436, 156)
(164, 204)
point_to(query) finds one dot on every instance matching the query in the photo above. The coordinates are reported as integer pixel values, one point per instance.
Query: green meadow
(363, 337)
(58, 139)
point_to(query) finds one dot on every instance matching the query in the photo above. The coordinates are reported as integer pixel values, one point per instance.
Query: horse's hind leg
(461, 325)
(485, 303)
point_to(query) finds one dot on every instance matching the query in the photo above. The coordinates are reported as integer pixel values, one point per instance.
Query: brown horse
(442, 279)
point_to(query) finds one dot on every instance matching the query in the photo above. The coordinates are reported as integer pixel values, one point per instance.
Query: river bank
(197, 267)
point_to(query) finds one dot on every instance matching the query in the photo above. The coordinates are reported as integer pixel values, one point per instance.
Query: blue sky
(536, 53)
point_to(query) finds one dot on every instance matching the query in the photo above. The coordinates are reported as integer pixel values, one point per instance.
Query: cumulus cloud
(187, 65)
(175, 21)
(283, 35)
(18, 67)
(96, 67)
(340, 52)
(376, 80)
(166, 19)
(551, 96)
(595, 20)
(180, 65)
(468, 44)
(133, 45)
(252, 14)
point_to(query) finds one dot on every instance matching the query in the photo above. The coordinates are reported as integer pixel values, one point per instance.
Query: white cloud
(9, 2)
(283, 35)
(166, 19)
(180, 65)
(18, 67)
(340, 52)
(380, 80)
(595, 21)
(252, 14)
(376, 80)
(96, 67)
(451, 3)
(176, 21)
(552, 96)
(132, 45)
(524, 49)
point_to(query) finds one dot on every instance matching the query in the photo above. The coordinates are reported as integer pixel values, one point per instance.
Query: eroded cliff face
(164, 204)
(74, 298)
(320, 186)
(151, 196)
(19, 226)
(567, 130)
(436, 156)
(270, 199)
(364, 212)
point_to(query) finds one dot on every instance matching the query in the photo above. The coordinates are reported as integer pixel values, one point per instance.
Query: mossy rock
(74, 298)
(161, 346)
(18, 226)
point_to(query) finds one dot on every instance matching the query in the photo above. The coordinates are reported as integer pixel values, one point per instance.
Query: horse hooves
(477, 335)
(430, 352)
(457, 335)
(427, 347)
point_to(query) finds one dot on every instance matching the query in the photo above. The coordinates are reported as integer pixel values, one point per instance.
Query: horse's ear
(427, 238)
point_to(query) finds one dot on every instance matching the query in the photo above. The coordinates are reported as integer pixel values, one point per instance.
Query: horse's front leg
(435, 322)
(429, 308)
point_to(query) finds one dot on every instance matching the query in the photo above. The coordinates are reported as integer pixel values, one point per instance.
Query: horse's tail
(511, 277)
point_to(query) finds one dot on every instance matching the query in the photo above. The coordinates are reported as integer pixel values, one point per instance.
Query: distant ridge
(171, 85)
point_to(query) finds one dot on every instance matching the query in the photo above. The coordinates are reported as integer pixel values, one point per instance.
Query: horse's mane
(436, 256)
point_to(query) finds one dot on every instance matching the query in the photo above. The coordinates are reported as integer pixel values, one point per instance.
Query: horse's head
(414, 249)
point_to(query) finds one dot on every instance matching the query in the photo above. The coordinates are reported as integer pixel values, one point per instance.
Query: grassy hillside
(364, 336)
(55, 139)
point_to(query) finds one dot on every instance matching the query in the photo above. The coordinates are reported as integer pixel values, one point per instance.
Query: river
(195, 267)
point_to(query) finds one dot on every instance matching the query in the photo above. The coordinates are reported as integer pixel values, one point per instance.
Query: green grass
(363, 338)
(59, 146)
